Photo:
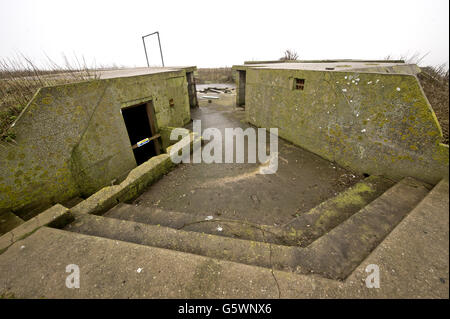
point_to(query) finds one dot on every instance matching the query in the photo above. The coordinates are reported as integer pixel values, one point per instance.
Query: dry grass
(20, 78)
(289, 55)
(435, 83)
(214, 75)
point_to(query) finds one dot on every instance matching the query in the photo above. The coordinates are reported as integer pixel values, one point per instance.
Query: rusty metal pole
(145, 49)
(160, 49)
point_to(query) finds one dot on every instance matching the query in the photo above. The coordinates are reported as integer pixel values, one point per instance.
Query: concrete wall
(71, 139)
(373, 123)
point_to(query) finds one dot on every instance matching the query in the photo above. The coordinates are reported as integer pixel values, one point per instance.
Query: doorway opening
(192, 90)
(142, 130)
(241, 89)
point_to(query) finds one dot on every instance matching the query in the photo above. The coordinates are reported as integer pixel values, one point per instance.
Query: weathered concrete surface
(56, 215)
(72, 140)
(232, 249)
(206, 224)
(413, 262)
(130, 72)
(337, 253)
(300, 231)
(238, 191)
(375, 123)
(329, 214)
(334, 255)
(136, 182)
(9, 221)
(414, 259)
(329, 66)
(109, 269)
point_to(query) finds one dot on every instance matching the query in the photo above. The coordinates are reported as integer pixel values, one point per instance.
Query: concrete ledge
(135, 183)
(9, 221)
(56, 215)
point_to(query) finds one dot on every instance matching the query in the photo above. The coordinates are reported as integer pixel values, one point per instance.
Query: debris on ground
(208, 97)
(217, 90)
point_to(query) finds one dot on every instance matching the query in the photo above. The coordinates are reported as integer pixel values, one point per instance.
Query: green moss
(336, 119)
(71, 139)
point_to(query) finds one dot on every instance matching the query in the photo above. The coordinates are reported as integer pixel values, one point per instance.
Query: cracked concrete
(271, 265)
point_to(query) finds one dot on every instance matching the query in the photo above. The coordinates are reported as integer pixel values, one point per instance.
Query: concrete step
(9, 221)
(35, 267)
(337, 253)
(299, 232)
(231, 249)
(309, 226)
(334, 255)
(201, 224)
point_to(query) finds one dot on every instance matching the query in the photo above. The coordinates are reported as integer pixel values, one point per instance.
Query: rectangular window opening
(299, 84)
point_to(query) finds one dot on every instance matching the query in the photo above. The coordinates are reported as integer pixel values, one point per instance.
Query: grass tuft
(435, 84)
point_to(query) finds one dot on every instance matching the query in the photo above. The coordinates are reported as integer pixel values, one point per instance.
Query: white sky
(223, 33)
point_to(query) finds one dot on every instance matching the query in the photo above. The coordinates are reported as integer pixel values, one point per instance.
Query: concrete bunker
(370, 116)
(73, 139)
(314, 109)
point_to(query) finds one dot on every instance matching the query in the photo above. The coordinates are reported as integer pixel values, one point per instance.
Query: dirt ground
(238, 191)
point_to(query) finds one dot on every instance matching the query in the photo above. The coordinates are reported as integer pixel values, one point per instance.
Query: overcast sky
(223, 33)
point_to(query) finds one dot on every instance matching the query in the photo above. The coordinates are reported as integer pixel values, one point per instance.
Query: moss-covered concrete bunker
(71, 140)
(370, 116)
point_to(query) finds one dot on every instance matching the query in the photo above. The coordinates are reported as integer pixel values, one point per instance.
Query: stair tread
(337, 253)
(301, 231)
(205, 224)
(118, 269)
(337, 209)
(35, 267)
(233, 249)
(9, 221)
(334, 255)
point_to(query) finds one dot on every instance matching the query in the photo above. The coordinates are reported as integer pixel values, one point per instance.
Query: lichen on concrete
(374, 123)
(71, 139)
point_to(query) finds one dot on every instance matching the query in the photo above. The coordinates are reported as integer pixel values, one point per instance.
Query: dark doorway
(192, 90)
(142, 131)
(241, 89)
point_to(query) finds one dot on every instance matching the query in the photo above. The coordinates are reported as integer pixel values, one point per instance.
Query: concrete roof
(128, 72)
(366, 66)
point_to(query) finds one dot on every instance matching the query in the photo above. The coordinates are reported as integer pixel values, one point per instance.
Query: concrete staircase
(330, 240)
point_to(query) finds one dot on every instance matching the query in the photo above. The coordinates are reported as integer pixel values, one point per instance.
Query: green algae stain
(353, 195)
